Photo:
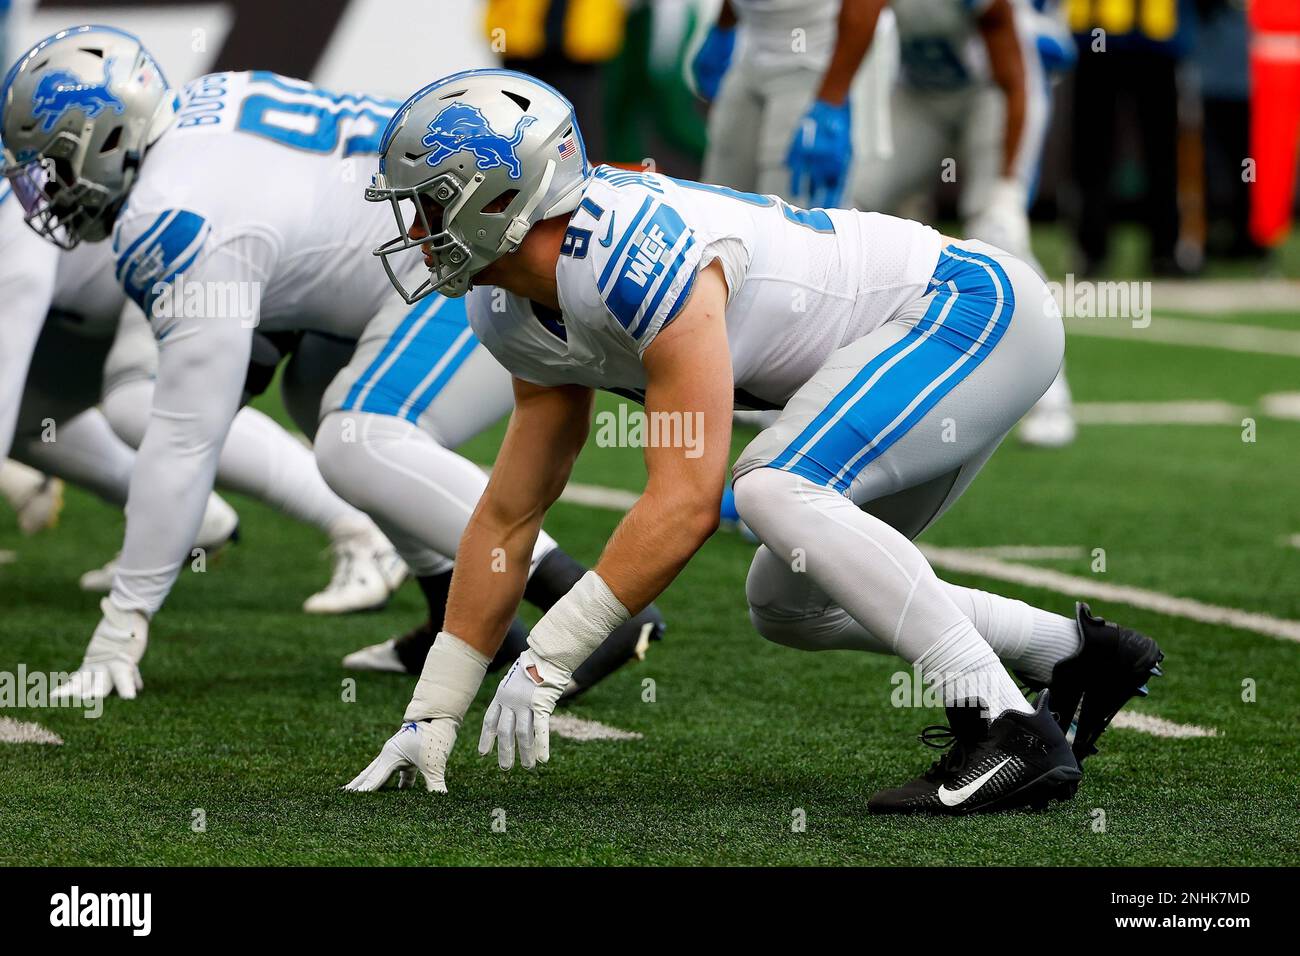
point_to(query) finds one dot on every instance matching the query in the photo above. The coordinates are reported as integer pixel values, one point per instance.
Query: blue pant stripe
(845, 394)
(463, 352)
(394, 340)
(957, 332)
(397, 389)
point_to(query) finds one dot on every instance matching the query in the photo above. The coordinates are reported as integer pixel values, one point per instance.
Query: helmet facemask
(453, 252)
(79, 110)
(483, 156)
(58, 204)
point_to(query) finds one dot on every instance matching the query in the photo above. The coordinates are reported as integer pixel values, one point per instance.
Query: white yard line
(967, 562)
(1226, 295)
(1164, 330)
(1159, 413)
(579, 728)
(1158, 726)
(8, 557)
(1281, 405)
(25, 732)
(1030, 552)
(594, 496)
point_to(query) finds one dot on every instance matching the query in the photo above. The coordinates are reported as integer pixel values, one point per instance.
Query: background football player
(243, 184)
(77, 342)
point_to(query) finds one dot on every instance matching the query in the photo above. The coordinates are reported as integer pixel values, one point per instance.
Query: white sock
(1027, 639)
(881, 579)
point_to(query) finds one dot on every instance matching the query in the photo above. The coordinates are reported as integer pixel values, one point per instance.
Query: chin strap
(520, 225)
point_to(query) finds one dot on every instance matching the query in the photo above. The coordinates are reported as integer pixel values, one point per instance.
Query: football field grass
(749, 753)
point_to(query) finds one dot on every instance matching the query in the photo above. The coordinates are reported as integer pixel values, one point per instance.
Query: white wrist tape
(451, 677)
(578, 623)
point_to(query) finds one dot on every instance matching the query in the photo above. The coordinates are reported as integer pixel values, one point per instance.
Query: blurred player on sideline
(972, 101)
(778, 75)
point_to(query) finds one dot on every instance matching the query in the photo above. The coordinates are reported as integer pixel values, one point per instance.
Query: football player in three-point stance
(237, 227)
(899, 358)
(71, 342)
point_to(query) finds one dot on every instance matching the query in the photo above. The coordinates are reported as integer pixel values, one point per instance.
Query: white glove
(520, 712)
(451, 677)
(421, 745)
(112, 657)
(1004, 220)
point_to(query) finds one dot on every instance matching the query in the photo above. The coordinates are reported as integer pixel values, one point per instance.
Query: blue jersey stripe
(145, 236)
(617, 254)
(955, 322)
(429, 349)
(668, 279)
(160, 261)
(963, 323)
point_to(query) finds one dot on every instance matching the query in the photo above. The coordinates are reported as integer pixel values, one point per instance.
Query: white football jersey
(256, 155)
(801, 284)
(940, 46)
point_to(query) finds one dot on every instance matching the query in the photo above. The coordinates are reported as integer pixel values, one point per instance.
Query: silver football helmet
(482, 155)
(77, 112)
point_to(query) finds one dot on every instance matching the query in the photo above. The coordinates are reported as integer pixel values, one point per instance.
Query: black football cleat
(1111, 668)
(1018, 761)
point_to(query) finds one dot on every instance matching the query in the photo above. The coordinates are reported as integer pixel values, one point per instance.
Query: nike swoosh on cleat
(609, 233)
(955, 798)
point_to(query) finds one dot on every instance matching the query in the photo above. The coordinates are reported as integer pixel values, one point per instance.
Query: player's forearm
(488, 582)
(654, 541)
(726, 15)
(202, 364)
(1008, 66)
(855, 28)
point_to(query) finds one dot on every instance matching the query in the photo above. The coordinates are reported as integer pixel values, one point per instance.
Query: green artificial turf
(244, 717)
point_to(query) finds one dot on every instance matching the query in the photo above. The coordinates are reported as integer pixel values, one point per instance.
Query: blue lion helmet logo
(460, 126)
(60, 91)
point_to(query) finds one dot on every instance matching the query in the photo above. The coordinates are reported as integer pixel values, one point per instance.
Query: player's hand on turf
(112, 657)
(712, 59)
(520, 712)
(819, 155)
(422, 747)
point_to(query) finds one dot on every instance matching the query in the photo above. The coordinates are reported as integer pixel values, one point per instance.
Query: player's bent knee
(342, 458)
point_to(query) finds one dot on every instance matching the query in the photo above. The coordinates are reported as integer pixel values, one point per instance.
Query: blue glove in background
(1057, 53)
(712, 60)
(820, 154)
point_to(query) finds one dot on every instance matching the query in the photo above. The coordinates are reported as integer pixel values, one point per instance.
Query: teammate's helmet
(474, 141)
(76, 113)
